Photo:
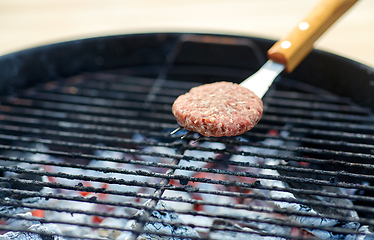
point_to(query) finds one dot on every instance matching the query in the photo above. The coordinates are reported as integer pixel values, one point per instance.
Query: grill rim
(28, 67)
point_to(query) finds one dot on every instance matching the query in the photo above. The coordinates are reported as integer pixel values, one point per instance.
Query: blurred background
(25, 23)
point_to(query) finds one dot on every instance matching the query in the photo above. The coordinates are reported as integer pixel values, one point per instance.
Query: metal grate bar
(307, 105)
(161, 117)
(279, 119)
(353, 145)
(293, 158)
(292, 94)
(117, 76)
(98, 137)
(135, 231)
(361, 137)
(85, 117)
(62, 116)
(259, 126)
(114, 129)
(76, 126)
(144, 218)
(117, 89)
(70, 125)
(192, 201)
(52, 100)
(282, 178)
(125, 87)
(275, 222)
(311, 150)
(98, 94)
(319, 123)
(151, 96)
(178, 199)
(289, 158)
(292, 104)
(136, 183)
(64, 143)
(128, 87)
(105, 82)
(150, 208)
(117, 108)
(48, 106)
(93, 119)
(43, 233)
(91, 225)
(193, 179)
(74, 135)
(295, 112)
(175, 144)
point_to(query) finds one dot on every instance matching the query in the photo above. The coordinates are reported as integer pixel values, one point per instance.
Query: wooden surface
(29, 23)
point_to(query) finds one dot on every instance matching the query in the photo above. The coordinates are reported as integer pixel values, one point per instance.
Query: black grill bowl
(85, 144)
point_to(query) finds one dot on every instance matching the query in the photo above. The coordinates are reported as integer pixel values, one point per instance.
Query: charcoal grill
(86, 151)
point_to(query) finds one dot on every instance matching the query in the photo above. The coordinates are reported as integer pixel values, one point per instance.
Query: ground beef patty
(218, 109)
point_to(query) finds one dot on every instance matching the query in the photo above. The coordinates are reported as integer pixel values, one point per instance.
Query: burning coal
(247, 199)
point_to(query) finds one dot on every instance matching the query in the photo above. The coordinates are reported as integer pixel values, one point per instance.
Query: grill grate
(92, 154)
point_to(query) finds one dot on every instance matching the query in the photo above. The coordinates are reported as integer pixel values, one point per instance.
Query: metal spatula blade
(260, 82)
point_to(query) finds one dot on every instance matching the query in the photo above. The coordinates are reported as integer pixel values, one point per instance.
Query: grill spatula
(288, 52)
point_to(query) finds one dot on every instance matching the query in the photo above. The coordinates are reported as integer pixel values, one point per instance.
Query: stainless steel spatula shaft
(260, 82)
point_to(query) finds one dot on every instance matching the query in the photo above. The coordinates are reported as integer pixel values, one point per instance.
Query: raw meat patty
(218, 109)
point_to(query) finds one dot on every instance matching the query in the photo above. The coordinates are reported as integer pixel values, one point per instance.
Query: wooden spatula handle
(293, 48)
